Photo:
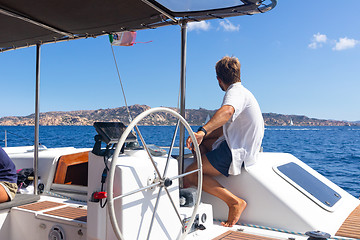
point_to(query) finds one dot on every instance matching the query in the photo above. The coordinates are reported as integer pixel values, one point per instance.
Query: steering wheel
(162, 181)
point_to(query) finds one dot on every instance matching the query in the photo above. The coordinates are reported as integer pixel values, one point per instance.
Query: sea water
(332, 151)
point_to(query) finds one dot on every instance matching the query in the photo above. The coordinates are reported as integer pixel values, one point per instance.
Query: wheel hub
(167, 182)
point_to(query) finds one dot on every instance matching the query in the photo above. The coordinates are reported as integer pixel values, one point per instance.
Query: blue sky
(303, 58)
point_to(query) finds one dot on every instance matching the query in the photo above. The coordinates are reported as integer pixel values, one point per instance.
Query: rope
(122, 88)
(281, 230)
(272, 229)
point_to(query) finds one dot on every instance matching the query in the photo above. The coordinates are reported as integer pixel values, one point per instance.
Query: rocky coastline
(193, 116)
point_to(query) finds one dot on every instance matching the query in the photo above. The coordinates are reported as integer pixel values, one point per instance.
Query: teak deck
(78, 214)
(351, 227)
(40, 206)
(232, 235)
(72, 213)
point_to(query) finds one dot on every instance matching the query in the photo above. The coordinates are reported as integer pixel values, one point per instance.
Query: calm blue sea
(332, 151)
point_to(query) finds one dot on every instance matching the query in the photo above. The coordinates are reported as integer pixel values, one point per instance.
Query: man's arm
(221, 116)
(214, 134)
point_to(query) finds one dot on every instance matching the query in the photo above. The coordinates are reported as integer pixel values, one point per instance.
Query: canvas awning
(29, 22)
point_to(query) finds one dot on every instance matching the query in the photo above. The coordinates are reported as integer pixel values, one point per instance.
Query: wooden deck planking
(40, 206)
(232, 235)
(73, 213)
(351, 227)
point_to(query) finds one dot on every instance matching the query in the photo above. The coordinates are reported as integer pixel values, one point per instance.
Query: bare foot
(235, 211)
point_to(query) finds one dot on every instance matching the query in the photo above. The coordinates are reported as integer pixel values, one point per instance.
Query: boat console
(145, 188)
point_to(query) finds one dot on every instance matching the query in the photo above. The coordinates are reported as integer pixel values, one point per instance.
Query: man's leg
(206, 145)
(211, 186)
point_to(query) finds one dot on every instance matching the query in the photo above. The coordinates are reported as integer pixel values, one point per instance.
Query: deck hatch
(308, 184)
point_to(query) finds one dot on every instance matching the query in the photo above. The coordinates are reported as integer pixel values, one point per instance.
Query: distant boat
(207, 119)
(291, 122)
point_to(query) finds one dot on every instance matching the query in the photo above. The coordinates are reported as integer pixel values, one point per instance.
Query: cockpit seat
(20, 199)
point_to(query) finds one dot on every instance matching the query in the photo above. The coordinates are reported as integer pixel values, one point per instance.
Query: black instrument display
(111, 132)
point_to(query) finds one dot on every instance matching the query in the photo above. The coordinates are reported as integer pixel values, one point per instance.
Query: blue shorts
(221, 158)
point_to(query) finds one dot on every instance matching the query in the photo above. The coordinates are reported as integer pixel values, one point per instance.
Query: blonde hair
(228, 70)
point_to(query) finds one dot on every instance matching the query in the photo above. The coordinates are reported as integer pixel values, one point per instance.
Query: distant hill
(274, 119)
(193, 116)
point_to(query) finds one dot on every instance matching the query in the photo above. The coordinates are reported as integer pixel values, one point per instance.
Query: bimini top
(29, 22)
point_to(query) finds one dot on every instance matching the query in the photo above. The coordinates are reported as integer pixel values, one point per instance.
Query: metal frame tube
(5, 138)
(37, 23)
(37, 116)
(182, 95)
(161, 11)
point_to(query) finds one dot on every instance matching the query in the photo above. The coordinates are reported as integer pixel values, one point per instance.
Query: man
(8, 178)
(232, 138)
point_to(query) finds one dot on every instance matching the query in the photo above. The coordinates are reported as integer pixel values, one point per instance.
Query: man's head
(228, 71)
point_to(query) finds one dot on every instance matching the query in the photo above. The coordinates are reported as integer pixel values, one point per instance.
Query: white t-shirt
(245, 129)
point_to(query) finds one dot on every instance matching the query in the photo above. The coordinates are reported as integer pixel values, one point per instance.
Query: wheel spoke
(185, 174)
(154, 212)
(137, 190)
(171, 148)
(173, 204)
(148, 152)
